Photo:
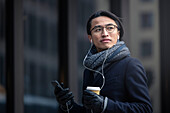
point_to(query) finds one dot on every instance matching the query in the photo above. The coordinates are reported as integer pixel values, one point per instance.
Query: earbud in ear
(91, 41)
(118, 37)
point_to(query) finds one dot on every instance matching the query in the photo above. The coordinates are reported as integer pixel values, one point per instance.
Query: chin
(109, 46)
(104, 48)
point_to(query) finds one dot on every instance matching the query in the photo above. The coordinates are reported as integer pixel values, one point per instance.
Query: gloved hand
(93, 101)
(64, 96)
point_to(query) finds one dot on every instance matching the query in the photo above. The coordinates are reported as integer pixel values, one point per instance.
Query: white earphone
(118, 37)
(91, 41)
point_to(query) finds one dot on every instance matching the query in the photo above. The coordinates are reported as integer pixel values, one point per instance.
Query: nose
(104, 33)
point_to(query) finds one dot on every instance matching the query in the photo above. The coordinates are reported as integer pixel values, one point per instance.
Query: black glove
(93, 101)
(64, 96)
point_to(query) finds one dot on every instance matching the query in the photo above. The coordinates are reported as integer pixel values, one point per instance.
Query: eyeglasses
(99, 29)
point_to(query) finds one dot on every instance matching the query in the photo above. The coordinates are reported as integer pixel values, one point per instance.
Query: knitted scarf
(94, 60)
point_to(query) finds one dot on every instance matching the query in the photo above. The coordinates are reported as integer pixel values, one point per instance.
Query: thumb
(62, 84)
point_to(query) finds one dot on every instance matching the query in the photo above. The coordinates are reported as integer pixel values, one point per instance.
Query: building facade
(45, 40)
(145, 45)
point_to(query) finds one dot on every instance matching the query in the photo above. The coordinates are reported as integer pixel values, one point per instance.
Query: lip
(105, 40)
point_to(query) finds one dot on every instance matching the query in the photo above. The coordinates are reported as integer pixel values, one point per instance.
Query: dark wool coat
(125, 87)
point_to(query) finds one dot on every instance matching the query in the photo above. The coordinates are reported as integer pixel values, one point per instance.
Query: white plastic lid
(92, 88)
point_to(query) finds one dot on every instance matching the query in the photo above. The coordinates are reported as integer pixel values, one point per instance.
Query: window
(40, 56)
(32, 78)
(32, 21)
(146, 20)
(85, 8)
(43, 35)
(53, 31)
(146, 49)
(43, 77)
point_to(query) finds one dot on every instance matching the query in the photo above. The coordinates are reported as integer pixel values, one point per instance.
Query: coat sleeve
(77, 108)
(137, 92)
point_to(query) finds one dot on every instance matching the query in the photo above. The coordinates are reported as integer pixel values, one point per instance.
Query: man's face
(104, 33)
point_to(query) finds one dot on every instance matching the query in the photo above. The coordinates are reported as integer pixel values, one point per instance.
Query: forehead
(102, 20)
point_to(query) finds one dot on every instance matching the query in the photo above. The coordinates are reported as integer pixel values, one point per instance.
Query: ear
(118, 32)
(118, 35)
(90, 38)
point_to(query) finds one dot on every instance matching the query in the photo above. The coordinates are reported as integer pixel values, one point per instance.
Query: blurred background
(45, 40)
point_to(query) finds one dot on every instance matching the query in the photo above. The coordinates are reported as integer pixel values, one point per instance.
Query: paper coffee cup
(94, 89)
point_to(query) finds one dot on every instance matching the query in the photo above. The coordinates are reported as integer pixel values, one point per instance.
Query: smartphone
(55, 83)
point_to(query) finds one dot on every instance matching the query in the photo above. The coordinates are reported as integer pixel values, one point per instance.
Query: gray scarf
(95, 60)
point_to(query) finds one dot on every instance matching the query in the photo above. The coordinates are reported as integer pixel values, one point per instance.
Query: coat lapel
(98, 80)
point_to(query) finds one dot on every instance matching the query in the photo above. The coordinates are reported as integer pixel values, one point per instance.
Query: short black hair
(107, 14)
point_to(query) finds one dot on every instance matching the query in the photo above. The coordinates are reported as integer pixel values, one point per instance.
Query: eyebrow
(101, 26)
(105, 25)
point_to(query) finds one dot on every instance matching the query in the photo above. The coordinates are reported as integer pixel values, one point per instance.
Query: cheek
(96, 38)
(114, 36)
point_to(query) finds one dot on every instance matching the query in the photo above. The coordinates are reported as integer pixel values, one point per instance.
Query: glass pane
(40, 55)
(2, 58)
(146, 48)
(85, 9)
(147, 20)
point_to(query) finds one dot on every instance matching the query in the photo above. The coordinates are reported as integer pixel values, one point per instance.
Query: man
(108, 64)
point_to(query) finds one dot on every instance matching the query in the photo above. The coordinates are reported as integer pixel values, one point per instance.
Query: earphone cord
(101, 73)
(67, 107)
